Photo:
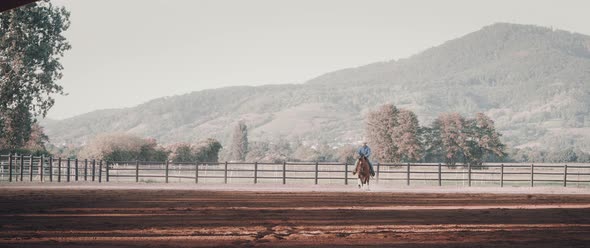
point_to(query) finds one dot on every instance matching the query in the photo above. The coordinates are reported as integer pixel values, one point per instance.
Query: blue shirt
(365, 151)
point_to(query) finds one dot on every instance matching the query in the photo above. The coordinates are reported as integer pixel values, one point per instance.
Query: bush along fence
(21, 168)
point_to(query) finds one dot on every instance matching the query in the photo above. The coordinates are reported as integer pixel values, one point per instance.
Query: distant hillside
(533, 81)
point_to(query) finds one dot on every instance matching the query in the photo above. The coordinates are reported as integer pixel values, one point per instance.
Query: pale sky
(127, 52)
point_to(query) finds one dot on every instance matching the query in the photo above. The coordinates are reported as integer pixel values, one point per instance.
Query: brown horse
(363, 171)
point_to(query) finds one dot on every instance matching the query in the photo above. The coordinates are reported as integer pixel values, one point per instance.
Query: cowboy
(365, 151)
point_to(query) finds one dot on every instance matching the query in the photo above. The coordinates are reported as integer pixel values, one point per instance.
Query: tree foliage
(239, 146)
(204, 151)
(394, 134)
(457, 139)
(31, 46)
(123, 147)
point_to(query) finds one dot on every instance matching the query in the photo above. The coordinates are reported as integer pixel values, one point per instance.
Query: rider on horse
(365, 151)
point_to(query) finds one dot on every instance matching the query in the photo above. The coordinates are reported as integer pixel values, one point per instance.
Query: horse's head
(362, 157)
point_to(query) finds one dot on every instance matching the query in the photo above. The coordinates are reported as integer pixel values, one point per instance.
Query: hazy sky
(128, 52)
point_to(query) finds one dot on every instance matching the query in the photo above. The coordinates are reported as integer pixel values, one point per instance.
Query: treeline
(543, 156)
(126, 147)
(396, 136)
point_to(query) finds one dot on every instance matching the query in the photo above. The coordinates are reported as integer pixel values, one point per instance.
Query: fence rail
(15, 168)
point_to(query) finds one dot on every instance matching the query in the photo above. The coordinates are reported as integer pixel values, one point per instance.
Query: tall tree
(394, 134)
(452, 137)
(432, 144)
(380, 123)
(406, 136)
(31, 46)
(483, 140)
(468, 140)
(239, 145)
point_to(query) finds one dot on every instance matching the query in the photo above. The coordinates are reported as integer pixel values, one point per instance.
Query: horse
(363, 171)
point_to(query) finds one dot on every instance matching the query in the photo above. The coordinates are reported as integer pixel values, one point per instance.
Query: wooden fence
(14, 168)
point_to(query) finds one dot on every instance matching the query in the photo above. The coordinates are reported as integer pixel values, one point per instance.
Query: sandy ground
(274, 187)
(159, 215)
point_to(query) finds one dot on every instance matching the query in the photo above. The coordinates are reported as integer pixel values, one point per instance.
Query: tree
(31, 46)
(582, 157)
(204, 151)
(37, 140)
(35, 144)
(123, 147)
(239, 145)
(151, 151)
(346, 154)
(379, 129)
(482, 140)
(432, 144)
(257, 151)
(182, 152)
(406, 136)
(16, 126)
(208, 150)
(563, 155)
(394, 134)
(276, 151)
(450, 128)
(470, 140)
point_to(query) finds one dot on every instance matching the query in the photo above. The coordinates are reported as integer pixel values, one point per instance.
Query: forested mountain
(533, 81)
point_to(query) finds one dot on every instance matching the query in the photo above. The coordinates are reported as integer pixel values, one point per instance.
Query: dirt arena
(54, 217)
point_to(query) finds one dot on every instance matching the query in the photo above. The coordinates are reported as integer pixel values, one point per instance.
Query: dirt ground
(37, 217)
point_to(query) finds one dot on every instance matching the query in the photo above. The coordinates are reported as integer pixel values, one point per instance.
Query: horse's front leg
(359, 183)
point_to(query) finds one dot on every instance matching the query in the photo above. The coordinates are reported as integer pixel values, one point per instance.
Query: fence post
(501, 175)
(68, 170)
(51, 169)
(10, 167)
(22, 166)
(316, 172)
(565, 175)
(107, 169)
(346, 173)
(76, 166)
(408, 175)
(100, 171)
(225, 173)
(439, 174)
(93, 169)
(284, 172)
(85, 169)
(136, 171)
(59, 169)
(469, 174)
(378, 166)
(197, 172)
(41, 163)
(532, 175)
(31, 168)
(167, 169)
(255, 172)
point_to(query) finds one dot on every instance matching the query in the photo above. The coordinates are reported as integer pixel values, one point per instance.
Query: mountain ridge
(530, 79)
